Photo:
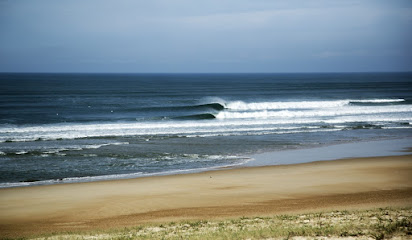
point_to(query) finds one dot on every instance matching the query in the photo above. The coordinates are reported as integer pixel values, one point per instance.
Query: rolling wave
(182, 128)
(205, 107)
(239, 105)
(378, 100)
(197, 116)
(232, 118)
(314, 113)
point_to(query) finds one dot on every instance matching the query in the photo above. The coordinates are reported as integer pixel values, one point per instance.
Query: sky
(214, 36)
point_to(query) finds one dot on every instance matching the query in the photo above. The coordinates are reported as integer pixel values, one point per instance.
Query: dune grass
(379, 223)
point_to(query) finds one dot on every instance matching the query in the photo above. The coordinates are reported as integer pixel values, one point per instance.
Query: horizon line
(206, 73)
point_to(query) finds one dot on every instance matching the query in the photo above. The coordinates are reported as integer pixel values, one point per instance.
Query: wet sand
(255, 191)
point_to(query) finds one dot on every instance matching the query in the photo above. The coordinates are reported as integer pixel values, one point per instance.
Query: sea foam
(240, 105)
(235, 118)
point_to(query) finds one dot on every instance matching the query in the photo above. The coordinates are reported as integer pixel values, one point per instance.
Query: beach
(208, 120)
(358, 183)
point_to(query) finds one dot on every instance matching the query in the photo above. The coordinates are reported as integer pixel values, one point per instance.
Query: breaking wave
(233, 117)
(239, 105)
(360, 111)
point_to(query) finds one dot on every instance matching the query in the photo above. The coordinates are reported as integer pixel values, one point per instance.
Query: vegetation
(367, 224)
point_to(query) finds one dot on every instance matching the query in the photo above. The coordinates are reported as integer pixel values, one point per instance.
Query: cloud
(260, 34)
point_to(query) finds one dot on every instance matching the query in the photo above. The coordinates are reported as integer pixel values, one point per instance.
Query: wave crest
(239, 105)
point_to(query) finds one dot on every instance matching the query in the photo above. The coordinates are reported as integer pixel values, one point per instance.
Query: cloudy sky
(205, 36)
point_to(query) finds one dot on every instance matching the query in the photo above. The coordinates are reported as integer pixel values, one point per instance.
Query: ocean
(60, 128)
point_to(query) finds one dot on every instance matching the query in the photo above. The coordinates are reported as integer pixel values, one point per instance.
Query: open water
(82, 127)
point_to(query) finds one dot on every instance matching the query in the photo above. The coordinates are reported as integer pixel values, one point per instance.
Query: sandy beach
(256, 191)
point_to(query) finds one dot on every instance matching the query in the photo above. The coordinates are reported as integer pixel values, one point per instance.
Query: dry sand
(260, 191)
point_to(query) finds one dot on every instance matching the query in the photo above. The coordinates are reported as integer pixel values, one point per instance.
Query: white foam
(379, 100)
(375, 120)
(21, 152)
(58, 151)
(54, 151)
(186, 128)
(353, 110)
(96, 146)
(259, 133)
(239, 105)
(238, 117)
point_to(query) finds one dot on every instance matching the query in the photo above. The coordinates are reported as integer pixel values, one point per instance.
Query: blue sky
(205, 36)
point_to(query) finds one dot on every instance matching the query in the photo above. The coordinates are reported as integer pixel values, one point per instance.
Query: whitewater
(236, 118)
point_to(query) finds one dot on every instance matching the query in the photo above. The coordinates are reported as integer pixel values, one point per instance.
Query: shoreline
(334, 151)
(355, 183)
(329, 152)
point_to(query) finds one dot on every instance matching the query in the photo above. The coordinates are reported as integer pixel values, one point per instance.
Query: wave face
(77, 127)
(248, 118)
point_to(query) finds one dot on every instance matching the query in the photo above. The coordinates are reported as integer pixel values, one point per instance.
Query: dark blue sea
(57, 128)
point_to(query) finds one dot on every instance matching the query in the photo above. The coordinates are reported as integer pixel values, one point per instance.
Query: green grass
(376, 223)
